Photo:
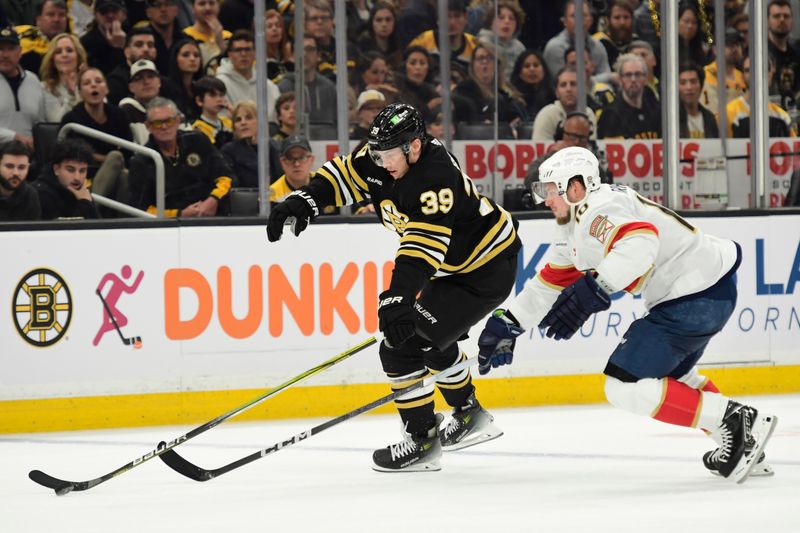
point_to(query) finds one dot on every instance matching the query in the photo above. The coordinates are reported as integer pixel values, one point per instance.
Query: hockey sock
(457, 388)
(668, 400)
(416, 409)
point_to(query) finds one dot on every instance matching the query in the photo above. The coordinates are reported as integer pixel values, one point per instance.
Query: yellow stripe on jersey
(360, 183)
(334, 183)
(491, 255)
(420, 255)
(347, 175)
(486, 242)
(423, 240)
(425, 227)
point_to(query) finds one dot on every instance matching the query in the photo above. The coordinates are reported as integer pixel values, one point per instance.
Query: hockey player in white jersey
(612, 239)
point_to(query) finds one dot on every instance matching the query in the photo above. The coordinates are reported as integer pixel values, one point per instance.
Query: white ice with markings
(584, 468)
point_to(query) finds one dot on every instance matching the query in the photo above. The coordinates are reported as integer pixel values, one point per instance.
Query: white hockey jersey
(634, 245)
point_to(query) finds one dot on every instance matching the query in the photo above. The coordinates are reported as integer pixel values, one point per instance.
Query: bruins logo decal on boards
(42, 307)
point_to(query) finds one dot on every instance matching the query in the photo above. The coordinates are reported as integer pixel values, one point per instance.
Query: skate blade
(485, 435)
(760, 470)
(432, 466)
(762, 428)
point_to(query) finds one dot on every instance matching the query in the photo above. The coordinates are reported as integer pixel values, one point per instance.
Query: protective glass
(544, 190)
(382, 157)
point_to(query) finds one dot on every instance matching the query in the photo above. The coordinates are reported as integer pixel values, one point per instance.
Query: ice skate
(469, 425)
(412, 454)
(744, 432)
(761, 469)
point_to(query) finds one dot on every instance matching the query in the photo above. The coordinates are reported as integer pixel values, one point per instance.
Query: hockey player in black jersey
(456, 262)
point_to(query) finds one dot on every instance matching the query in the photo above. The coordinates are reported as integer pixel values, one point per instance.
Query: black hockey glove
(299, 205)
(396, 318)
(573, 307)
(497, 340)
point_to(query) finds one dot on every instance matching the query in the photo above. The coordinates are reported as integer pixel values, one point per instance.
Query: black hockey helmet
(396, 125)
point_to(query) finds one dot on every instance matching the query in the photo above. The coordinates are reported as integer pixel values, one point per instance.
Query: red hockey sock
(680, 404)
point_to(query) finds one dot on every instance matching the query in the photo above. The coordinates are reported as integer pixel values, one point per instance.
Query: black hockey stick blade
(61, 486)
(184, 467)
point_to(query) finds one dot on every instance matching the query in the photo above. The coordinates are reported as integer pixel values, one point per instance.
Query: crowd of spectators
(179, 76)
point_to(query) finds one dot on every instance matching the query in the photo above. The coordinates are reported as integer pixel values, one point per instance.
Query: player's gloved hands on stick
(497, 340)
(396, 317)
(573, 307)
(299, 205)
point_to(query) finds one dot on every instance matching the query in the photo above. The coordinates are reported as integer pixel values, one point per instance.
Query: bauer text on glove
(396, 317)
(300, 205)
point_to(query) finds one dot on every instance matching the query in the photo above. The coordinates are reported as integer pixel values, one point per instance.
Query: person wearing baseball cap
(144, 85)
(21, 94)
(296, 160)
(106, 38)
(368, 105)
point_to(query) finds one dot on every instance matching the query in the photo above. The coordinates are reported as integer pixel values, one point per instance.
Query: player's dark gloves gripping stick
(396, 317)
(497, 340)
(573, 307)
(300, 206)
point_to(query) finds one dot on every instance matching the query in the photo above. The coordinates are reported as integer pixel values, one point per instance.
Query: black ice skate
(761, 469)
(413, 454)
(469, 425)
(744, 433)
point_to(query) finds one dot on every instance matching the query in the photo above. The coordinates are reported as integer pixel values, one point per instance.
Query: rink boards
(221, 315)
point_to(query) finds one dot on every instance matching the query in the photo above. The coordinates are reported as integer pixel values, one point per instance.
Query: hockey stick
(62, 487)
(127, 341)
(192, 471)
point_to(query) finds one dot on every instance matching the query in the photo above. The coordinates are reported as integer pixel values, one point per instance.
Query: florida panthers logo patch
(600, 228)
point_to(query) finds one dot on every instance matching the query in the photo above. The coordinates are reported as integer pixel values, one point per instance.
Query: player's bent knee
(641, 397)
(402, 359)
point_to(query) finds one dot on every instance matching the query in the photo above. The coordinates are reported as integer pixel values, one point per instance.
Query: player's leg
(449, 307)
(420, 448)
(644, 376)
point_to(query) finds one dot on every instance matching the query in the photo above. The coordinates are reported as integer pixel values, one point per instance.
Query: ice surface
(587, 468)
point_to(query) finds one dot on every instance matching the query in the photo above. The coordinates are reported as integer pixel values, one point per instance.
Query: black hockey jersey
(445, 226)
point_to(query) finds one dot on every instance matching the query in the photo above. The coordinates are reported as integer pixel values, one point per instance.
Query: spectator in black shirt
(63, 187)
(532, 80)
(18, 199)
(95, 113)
(242, 153)
(197, 179)
(413, 81)
(162, 21)
(106, 38)
(628, 117)
(787, 57)
(381, 34)
(695, 121)
(184, 70)
(141, 44)
(479, 89)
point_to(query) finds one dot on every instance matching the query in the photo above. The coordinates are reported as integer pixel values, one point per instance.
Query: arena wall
(222, 315)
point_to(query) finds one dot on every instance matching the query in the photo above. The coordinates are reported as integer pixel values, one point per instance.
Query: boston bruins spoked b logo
(42, 307)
